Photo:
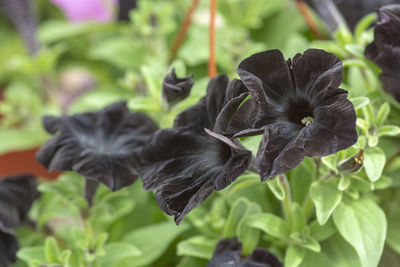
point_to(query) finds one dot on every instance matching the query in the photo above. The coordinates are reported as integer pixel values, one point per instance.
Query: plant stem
(287, 202)
(212, 67)
(308, 204)
(310, 21)
(183, 30)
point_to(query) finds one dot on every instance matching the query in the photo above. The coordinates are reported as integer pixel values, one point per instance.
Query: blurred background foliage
(83, 66)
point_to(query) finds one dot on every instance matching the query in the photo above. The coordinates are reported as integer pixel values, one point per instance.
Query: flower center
(300, 112)
(307, 121)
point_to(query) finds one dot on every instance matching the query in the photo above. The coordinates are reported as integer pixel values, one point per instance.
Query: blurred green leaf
(374, 161)
(270, 224)
(326, 198)
(197, 246)
(152, 249)
(363, 224)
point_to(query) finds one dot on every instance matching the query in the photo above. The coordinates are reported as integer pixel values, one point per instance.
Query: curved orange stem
(183, 30)
(212, 66)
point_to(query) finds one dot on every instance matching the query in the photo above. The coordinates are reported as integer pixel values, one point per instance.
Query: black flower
(17, 194)
(176, 89)
(385, 49)
(228, 254)
(98, 145)
(8, 246)
(302, 112)
(186, 163)
(351, 10)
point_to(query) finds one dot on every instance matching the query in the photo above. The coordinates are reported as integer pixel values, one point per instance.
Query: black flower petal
(385, 49)
(98, 145)
(8, 246)
(301, 109)
(186, 163)
(228, 254)
(351, 10)
(176, 89)
(17, 194)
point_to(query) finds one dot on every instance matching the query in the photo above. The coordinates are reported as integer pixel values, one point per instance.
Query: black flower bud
(353, 164)
(176, 89)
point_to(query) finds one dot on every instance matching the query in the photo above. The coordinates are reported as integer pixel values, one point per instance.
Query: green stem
(308, 204)
(287, 202)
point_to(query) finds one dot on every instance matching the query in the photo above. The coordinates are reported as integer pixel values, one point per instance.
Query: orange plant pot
(20, 162)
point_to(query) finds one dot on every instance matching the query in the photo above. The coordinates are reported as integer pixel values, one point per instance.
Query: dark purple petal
(301, 110)
(315, 72)
(228, 254)
(98, 145)
(8, 246)
(17, 194)
(216, 93)
(184, 167)
(385, 49)
(280, 150)
(176, 89)
(267, 77)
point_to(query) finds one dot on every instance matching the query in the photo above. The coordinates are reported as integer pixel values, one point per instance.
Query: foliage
(313, 215)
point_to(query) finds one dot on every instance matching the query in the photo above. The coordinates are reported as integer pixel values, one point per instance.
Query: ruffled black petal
(176, 89)
(385, 49)
(8, 246)
(186, 163)
(351, 10)
(17, 194)
(301, 109)
(98, 145)
(228, 254)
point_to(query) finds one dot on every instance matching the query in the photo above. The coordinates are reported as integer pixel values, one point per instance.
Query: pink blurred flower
(87, 10)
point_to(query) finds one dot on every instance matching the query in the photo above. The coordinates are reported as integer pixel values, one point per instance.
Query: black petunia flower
(228, 254)
(17, 194)
(302, 112)
(385, 49)
(186, 163)
(98, 145)
(8, 246)
(176, 89)
(351, 10)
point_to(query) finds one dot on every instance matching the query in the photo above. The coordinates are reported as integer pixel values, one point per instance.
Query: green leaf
(331, 162)
(247, 235)
(344, 183)
(374, 161)
(294, 256)
(312, 259)
(152, 241)
(122, 52)
(382, 114)
(20, 139)
(363, 25)
(369, 115)
(340, 253)
(239, 208)
(115, 252)
(299, 220)
(197, 246)
(389, 130)
(28, 254)
(270, 224)
(311, 244)
(322, 232)
(326, 198)
(363, 225)
(52, 251)
(276, 188)
(359, 102)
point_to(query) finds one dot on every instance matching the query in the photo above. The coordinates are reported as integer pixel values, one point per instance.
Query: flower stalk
(212, 65)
